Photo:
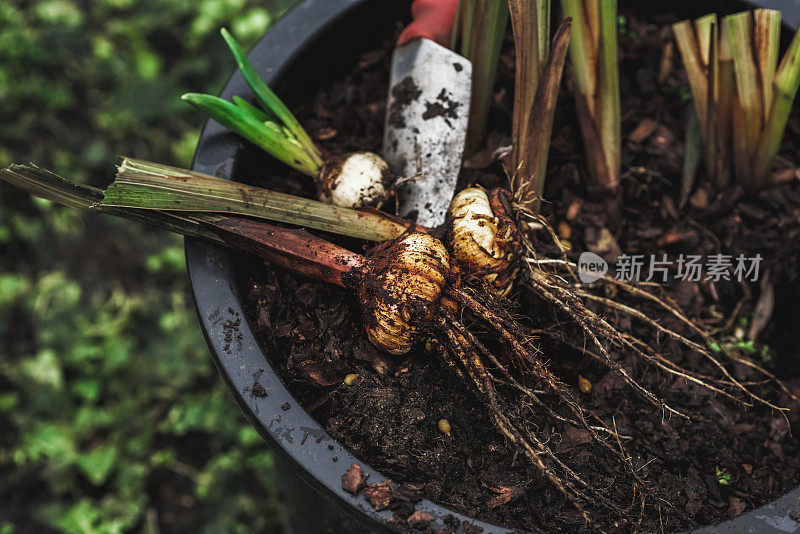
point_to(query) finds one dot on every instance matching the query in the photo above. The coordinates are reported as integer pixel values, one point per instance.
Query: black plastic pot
(317, 33)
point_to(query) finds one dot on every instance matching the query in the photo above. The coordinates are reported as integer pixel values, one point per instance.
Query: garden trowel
(426, 124)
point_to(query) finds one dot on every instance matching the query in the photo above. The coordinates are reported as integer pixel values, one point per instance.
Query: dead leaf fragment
(324, 134)
(420, 517)
(735, 506)
(573, 210)
(665, 65)
(699, 200)
(379, 495)
(564, 230)
(504, 495)
(643, 130)
(354, 479)
(763, 310)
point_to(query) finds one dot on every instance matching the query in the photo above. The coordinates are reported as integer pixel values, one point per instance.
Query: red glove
(433, 19)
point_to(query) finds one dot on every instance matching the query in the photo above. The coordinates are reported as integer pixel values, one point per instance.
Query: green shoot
(482, 26)
(742, 96)
(265, 134)
(272, 128)
(595, 69)
(538, 80)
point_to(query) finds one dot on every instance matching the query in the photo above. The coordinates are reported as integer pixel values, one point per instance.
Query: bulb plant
(478, 34)
(353, 180)
(536, 86)
(595, 77)
(483, 237)
(742, 95)
(410, 286)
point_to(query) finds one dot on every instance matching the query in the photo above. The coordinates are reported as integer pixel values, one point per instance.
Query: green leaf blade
(268, 99)
(241, 119)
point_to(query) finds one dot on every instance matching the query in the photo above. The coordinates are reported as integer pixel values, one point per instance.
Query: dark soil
(725, 461)
(403, 93)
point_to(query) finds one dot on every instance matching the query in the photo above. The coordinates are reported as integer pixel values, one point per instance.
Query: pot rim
(318, 459)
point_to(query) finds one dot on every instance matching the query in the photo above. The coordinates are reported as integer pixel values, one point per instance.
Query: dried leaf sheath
(531, 167)
(742, 96)
(706, 55)
(748, 87)
(145, 185)
(593, 54)
(530, 20)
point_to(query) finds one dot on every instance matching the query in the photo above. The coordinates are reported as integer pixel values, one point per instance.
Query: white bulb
(358, 180)
(482, 243)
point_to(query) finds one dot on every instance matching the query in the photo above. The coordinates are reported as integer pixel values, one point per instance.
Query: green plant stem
(145, 185)
(608, 91)
(786, 84)
(483, 25)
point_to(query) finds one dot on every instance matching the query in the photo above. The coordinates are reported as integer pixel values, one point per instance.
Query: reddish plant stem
(296, 250)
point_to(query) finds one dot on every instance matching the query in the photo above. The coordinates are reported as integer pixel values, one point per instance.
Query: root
(512, 386)
(467, 352)
(673, 368)
(509, 330)
(533, 448)
(566, 302)
(675, 311)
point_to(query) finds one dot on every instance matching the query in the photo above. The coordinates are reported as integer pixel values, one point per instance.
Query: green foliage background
(112, 417)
